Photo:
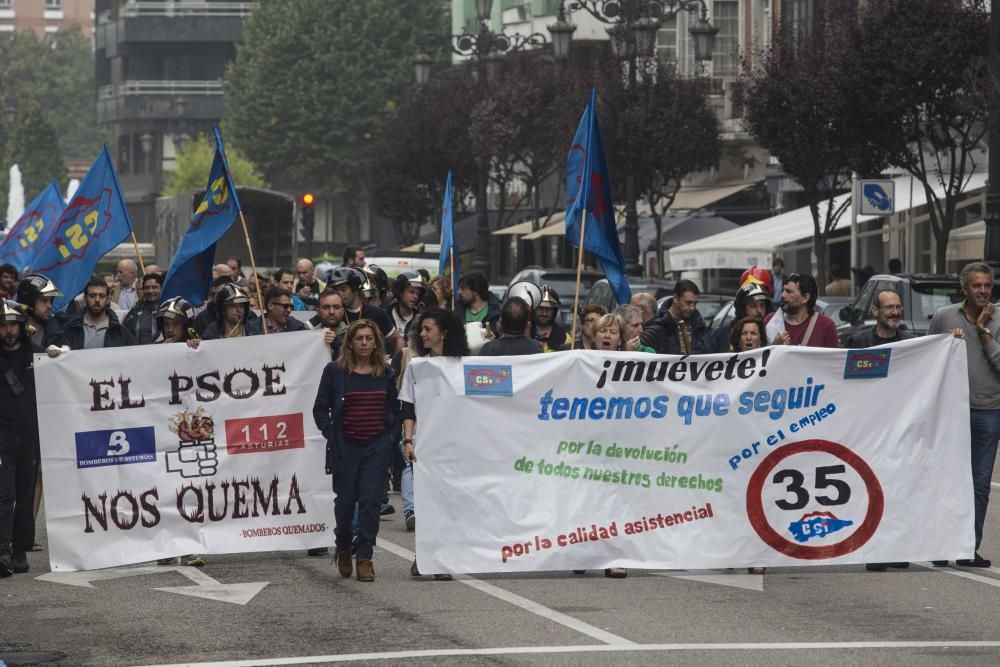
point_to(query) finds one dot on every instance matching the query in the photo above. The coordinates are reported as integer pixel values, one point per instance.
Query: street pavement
(286, 608)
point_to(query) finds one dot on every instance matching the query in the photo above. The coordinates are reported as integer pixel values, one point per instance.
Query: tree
(314, 82)
(35, 149)
(194, 163)
(928, 100)
(659, 129)
(801, 107)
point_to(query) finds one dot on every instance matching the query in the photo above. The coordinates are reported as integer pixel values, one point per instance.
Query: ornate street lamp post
(486, 50)
(632, 27)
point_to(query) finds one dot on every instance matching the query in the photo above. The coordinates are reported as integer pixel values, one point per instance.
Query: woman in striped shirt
(356, 409)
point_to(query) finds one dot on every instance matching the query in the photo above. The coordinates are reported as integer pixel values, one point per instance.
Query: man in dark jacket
(330, 318)
(515, 319)
(35, 294)
(887, 309)
(277, 315)
(545, 329)
(19, 442)
(681, 329)
(476, 302)
(96, 326)
(141, 319)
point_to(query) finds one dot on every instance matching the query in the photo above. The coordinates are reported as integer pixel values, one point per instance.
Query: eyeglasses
(286, 306)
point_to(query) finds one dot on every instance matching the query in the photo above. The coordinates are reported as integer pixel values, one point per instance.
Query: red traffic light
(308, 199)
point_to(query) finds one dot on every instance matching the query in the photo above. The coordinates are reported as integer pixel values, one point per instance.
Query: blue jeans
(985, 434)
(360, 480)
(406, 488)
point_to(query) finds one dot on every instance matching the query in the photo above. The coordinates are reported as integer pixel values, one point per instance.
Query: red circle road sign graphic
(755, 501)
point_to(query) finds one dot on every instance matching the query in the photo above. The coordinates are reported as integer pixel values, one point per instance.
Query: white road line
(523, 602)
(590, 648)
(996, 484)
(991, 581)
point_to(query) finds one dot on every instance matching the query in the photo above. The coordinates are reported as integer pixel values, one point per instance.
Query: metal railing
(160, 88)
(186, 8)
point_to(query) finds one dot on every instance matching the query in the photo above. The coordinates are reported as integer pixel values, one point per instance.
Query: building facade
(46, 16)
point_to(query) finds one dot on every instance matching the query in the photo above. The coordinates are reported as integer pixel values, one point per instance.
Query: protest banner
(777, 457)
(162, 450)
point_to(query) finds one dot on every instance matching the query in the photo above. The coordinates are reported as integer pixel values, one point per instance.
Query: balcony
(172, 22)
(157, 100)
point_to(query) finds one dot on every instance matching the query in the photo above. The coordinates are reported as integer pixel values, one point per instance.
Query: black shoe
(978, 561)
(20, 563)
(387, 509)
(939, 563)
(318, 551)
(6, 567)
(876, 567)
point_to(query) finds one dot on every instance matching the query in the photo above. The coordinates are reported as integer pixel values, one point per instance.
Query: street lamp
(146, 143)
(486, 50)
(632, 28)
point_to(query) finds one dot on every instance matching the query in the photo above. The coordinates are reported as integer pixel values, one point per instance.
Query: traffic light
(308, 219)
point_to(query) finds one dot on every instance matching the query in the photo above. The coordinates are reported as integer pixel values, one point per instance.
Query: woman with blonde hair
(356, 409)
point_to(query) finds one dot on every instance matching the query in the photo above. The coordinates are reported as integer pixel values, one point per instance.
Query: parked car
(921, 293)
(601, 294)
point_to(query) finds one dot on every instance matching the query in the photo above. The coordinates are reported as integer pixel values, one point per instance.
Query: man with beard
(681, 329)
(887, 309)
(348, 283)
(96, 326)
(19, 444)
(8, 281)
(277, 315)
(330, 318)
(232, 306)
(476, 302)
(141, 320)
(409, 290)
(798, 323)
(35, 294)
(546, 330)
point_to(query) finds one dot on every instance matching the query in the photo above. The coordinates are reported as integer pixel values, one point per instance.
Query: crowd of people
(365, 406)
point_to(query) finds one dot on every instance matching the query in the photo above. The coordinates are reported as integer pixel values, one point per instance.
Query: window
(666, 40)
(725, 56)
(53, 4)
(5, 4)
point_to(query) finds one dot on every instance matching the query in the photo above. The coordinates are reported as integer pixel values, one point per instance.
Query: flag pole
(138, 255)
(256, 277)
(451, 278)
(579, 276)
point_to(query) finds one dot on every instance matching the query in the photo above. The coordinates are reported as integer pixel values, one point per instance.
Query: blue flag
(448, 261)
(31, 229)
(190, 272)
(588, 190)
(94, 223)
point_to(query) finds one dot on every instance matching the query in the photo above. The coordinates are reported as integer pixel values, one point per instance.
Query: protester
(440, 287)
(8, 281)
(777, 277)
(285, 278)
(546, 330)
(476, 302)
(222, 271)
(354, 257)
(887, 309)
(975, 320)
(356, 408)
(19, 444)
(96, 326)
(209, 314)
(632, 319)
(277, 314)
(646, 303)
(35, 294)
(236, 266)
(348, 283)
(141, 319)
(410, 291)
(841, 283)
(307, 286)
(515, 321)
(330, 318)
(589, 317)
(680, 329)
(376, 290)
(124, 293)
(798, 322)
(752, 300)
(232, 308)
(441, 334)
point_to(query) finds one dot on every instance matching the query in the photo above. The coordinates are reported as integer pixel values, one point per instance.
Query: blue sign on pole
(878, 197)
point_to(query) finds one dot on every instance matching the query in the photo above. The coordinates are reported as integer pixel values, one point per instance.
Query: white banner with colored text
(161, 450)
(781, 456)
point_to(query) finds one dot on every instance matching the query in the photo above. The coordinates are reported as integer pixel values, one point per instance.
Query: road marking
(996, 484)
(736, 579)
(522, 602)
(589, 648)
(206, 587)
(966, 575)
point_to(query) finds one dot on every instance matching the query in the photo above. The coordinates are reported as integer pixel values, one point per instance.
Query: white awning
(755, 243)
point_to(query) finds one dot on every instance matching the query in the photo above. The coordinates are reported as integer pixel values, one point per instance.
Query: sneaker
(318, 551)
(194, 560)
(411, 522)
(6, 567)
(882, 567)
(443, 577)
(615, 572)
(939, 563)
(19, 562)
(978, 561)
(168, 561)
(387, 509)
(366, 571)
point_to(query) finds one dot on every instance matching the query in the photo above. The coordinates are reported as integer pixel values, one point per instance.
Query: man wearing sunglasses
(277, 315)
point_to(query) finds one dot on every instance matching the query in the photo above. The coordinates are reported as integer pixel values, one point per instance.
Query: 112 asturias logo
(488, 380)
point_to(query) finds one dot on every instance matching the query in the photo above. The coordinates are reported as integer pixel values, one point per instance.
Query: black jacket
(662, 335)
(256, 327)
(18, 413)
(116, 336)
(133, 322)
(866, 338)
(556, 340)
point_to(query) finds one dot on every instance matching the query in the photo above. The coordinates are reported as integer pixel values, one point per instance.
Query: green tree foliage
(194, 163)
(314, 82)
(35, 149)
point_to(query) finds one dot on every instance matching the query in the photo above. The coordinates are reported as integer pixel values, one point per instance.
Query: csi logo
(867, 364)
(494, 380)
